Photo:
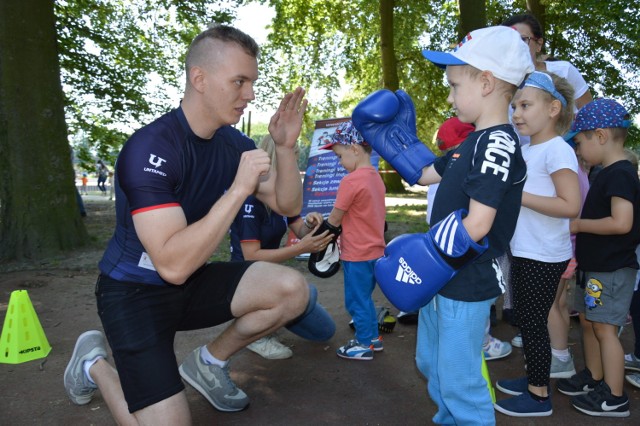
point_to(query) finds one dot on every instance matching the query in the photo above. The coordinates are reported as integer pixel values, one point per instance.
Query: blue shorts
(140, 322)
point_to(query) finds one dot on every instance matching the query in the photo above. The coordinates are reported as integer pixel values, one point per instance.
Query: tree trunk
(473, 15)
(537, 9)
(39, 214)
(392, 180)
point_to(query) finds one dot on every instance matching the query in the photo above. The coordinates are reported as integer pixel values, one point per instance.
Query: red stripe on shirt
(159, 206)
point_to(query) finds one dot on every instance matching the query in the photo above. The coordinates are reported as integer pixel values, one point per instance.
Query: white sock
(86, 366)
(209, 359)
(562, 354)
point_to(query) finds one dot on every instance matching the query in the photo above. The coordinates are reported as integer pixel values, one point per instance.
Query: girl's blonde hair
(565, 118)
(566, 91)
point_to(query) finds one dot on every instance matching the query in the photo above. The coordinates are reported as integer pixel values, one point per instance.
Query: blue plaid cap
(345, 134)
(599, 114)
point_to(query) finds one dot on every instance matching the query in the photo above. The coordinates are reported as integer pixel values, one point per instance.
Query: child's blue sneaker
(524, 405)
(513, 386)
(356, 350)
(377, 344)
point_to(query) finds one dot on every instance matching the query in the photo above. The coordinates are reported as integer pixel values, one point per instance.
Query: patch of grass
(223, 254)
(406, 219)
(100, 222)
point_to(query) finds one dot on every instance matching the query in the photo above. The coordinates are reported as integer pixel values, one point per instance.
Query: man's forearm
(288, 185)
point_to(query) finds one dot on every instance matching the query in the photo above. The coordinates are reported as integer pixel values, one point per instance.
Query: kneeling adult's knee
(294, 291)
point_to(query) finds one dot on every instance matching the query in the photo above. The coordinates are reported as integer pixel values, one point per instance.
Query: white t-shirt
(431, 196)
(538, 236)
(564, 69)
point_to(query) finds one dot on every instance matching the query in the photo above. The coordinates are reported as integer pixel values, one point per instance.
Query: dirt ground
(315, 387)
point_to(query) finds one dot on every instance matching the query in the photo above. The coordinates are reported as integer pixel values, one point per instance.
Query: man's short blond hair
(199, 52)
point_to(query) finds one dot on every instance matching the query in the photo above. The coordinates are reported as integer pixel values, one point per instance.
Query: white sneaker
(517, 340)
(496, 349)
(270, 348)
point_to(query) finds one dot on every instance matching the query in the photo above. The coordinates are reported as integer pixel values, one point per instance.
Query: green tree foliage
(106, 53)
(119, 61)
(336, 44)
(599, 38)
(331, 44)
(122, 60)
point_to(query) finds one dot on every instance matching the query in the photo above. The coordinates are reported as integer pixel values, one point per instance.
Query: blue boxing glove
(387, 122)
(406, 111)
(416, 266)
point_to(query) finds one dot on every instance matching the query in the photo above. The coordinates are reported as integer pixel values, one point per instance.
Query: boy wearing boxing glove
(450, 272)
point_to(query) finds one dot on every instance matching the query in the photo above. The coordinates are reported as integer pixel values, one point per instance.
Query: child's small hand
(313, 220)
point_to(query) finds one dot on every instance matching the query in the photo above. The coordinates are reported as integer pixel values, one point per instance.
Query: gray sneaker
(562, 370)
(214, 383)
(89, 345)
(631, 362)
(634, 379)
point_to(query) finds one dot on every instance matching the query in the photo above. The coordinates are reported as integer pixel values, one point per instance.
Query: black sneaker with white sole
(578, 384)
(601, 403)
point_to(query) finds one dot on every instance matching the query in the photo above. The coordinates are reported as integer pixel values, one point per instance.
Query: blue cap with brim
(568, 137)
(442, 59)
(598, 114)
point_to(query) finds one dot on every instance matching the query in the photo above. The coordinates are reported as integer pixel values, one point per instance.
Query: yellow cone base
(23, 338)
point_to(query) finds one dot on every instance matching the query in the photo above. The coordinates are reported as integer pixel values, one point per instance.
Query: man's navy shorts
(141, 320)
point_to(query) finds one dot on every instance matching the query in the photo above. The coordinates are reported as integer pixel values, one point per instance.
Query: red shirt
(361, 197)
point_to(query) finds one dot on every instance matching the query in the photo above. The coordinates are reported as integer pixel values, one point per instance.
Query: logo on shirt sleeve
(156, 162)
(248, 210)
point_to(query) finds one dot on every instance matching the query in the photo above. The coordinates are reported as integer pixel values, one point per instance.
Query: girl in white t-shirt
(531, 32)
(541, 244)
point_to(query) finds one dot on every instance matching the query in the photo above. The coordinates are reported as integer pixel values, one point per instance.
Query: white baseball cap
(497, 49)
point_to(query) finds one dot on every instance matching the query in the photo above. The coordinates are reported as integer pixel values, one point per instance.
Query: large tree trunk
(473, 15)
(38, 211)
(392, 180)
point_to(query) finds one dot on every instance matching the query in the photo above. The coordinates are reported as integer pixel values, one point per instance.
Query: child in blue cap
(608, 232)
